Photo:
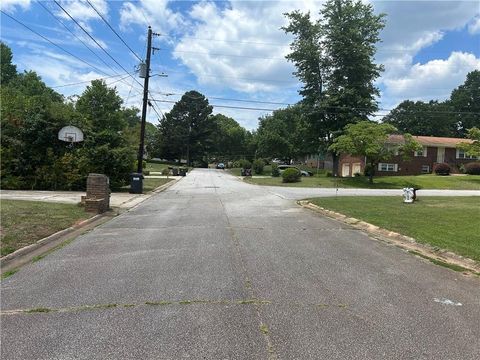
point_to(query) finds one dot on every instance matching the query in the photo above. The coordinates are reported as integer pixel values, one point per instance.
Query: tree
(8, 71)
(466, 100)
(283, 134)
(187, 128)
(472, 149)
(229, 138)
(105, 149)
(421, 118)
(334, 58)
(369, 139)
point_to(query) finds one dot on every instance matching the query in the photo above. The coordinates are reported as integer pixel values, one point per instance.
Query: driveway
(214, 268)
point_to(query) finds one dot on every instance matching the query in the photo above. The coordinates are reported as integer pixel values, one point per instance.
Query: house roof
(431, 140)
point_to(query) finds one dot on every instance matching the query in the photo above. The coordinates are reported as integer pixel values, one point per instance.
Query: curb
(394, 238)
(46, 240)
(21, 256)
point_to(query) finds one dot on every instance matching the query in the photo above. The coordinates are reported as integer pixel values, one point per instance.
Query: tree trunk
(372, 172)
(335, 159)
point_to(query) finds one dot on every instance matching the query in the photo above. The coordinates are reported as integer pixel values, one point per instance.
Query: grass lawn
(155, 167)
(149, 184)
(451, 223)
(466, 182)
(25, 222)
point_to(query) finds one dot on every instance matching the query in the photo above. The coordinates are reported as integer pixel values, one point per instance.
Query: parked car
(221, 166)
(277, 161)
(282, 168)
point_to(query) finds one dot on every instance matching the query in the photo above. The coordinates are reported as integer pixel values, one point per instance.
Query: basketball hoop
(70, 134)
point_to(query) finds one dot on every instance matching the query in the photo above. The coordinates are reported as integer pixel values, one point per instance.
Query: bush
(442, 169)
(165, 172)
(328, 174)
(473, 168)
(369, 170)
(258, 166)
(275, 171)
(291, 175)
(357, 174)
(146, 172)
(242, 163)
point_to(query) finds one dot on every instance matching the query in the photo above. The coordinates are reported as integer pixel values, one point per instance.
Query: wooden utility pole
(145, 102)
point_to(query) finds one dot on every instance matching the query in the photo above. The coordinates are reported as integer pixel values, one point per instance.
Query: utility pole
(136, 181)
(145, 102)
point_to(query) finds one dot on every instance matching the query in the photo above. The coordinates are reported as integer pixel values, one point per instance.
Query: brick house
(435, 150)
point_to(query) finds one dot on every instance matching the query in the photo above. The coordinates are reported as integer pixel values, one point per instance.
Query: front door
(345, 170)
(356, 168)
(440, 155)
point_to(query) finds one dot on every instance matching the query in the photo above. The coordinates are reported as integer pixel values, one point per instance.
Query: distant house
(435, 150)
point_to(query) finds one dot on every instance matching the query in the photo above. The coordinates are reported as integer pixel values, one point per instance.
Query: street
(214, 268)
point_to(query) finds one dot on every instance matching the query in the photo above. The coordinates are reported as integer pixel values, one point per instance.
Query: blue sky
(234, 49)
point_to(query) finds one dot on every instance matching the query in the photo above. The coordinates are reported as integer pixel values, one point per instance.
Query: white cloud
(151, 12)
(10, 6)
(433, 80)
(250, 33)
(82, 10)
(474, 26)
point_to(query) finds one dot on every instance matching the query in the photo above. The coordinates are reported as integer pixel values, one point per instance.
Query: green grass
(467, 182)
(156, 167)
(149, 184)
(451, 223)
(25, 222)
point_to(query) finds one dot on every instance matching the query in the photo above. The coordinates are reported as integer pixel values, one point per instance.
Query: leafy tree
(334, 57)
(188, 128)
(283, 134)
(229, 138)
(472, 149)
(466, 99)
(369, 139)
(106, 149)
(420, 118)
(8, 71)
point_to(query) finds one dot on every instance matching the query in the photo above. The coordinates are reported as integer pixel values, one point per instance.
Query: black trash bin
(175, 171)
(136, 183)
(182, 172)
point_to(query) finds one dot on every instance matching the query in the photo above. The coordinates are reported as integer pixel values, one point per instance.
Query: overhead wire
(348, 109)
(86, 81)
(93, 39)
(114, 31)
(54, 44)
(76, 36)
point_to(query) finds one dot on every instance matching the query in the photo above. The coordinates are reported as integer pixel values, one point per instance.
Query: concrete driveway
(214, 268)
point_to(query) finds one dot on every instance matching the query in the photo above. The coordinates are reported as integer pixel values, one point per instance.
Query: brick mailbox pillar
(98, 193)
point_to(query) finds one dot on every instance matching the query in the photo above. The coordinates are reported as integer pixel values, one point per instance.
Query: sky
(233, 52)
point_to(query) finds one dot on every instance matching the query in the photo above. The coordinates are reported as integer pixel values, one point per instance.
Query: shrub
(357, 174)
(473, 168)
(442, 169)
(291, 175)
(369, 170)
(328, 174)
(146, 172)
(246, 164)
(275, 171)
(165, 172)
(258, 165)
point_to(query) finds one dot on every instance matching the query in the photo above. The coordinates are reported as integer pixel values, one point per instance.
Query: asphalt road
(214, 268)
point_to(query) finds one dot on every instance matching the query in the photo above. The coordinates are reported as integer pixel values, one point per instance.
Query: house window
(461, 154)
(426, 169)
(387, 167)
(422, 152)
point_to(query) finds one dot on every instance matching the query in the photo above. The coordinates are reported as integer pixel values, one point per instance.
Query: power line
(325, 111)
(86, 81)
(230, 99)
(77, 37)
(93, 39)
(54, 44)
(111, 28)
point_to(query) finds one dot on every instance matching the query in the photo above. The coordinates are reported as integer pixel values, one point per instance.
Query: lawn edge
(24, 255)
(399, 240)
